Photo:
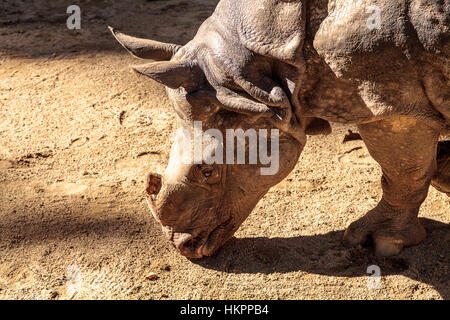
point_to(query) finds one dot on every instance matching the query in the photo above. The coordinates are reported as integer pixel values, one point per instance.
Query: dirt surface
(78, 131)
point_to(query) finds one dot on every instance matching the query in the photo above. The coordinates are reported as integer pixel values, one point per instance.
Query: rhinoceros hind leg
(405, 148)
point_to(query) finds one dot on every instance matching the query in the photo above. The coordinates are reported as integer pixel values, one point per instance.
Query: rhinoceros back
(396, 51)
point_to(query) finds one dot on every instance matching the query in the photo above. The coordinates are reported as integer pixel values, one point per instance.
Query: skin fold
(295, 66)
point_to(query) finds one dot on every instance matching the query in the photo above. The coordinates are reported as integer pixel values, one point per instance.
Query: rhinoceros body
(296, 65)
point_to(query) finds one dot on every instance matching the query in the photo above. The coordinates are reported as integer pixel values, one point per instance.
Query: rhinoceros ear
(172, 74)
(144, 48)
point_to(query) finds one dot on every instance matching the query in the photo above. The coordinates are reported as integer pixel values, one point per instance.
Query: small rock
(151, 276)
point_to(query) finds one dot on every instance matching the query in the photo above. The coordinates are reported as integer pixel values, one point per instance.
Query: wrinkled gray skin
(295, 65)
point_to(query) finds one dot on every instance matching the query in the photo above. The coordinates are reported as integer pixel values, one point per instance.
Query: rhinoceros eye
(207, 173)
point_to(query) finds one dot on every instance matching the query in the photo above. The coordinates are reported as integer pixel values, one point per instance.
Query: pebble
(151, 276)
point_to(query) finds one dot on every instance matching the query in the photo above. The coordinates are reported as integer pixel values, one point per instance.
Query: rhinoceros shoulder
(272, 28)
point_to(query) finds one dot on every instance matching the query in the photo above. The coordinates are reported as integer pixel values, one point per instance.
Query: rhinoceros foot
(387, 228)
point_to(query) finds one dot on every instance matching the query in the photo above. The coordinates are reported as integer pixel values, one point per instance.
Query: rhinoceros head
(204, 196)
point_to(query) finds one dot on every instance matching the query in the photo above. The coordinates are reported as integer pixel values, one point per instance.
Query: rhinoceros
(295, 66)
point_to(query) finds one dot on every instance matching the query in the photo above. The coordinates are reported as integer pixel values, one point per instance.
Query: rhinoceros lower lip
(203, 245)
(193, 248)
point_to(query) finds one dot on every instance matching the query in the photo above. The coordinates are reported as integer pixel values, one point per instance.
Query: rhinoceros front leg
(405, 148)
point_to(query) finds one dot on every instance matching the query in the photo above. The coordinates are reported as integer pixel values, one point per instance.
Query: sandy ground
(78, 131)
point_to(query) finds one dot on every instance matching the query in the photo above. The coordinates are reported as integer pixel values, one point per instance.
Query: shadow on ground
(94, 225)
(324, 254)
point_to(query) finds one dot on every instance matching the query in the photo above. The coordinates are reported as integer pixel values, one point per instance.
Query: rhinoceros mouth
(193, 247)
(204, 244)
